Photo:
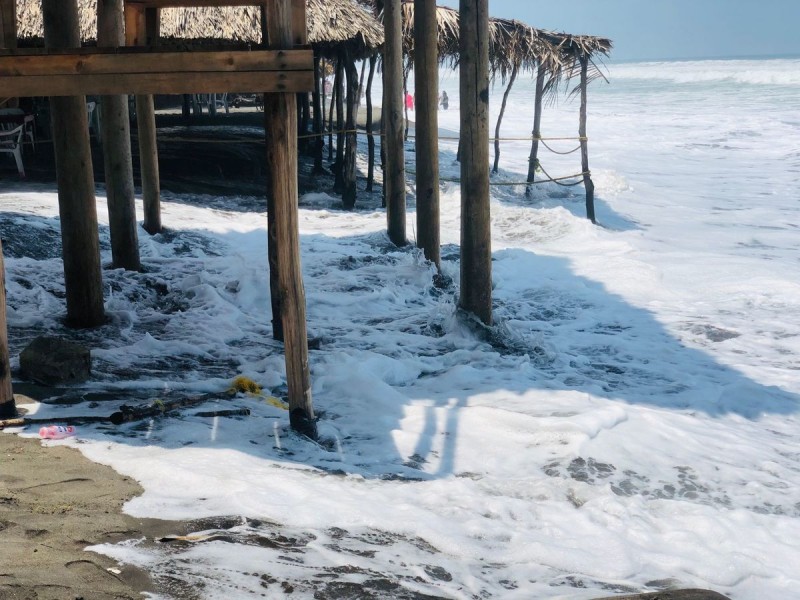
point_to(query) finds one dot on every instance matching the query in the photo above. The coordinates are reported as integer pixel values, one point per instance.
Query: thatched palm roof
(511, 43)
(332, 24)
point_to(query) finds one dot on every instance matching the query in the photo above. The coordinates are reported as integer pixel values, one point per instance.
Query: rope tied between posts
(546, 145)
(556, 180)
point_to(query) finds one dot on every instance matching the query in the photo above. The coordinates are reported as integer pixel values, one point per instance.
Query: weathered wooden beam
(8, 408)
(394, 179)
(426, 84)
(476, 235)
(192, 3)
(76, 200)
(37, 74)
(116, 130)
(158, 83)
(281, 133)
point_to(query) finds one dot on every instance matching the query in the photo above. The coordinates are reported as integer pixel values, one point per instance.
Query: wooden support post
(117, 159)
(370, 137)
(476, 238)
(334, 94)
(351, 138)
(533, 160)
(394, 179)
(76, 200)
(281, 134)
(318, 141)
(272, 240)
(339, 84)
(323, 99)
(299, 38)
(8, 409)
(186, 106)
(511, 80)
(304, 119)
(8, 36)
(587, 176)
(406, 122)
(142, 29)
(8, 24)
(426, 83)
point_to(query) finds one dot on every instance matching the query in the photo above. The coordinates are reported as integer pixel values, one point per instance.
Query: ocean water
(630, 423)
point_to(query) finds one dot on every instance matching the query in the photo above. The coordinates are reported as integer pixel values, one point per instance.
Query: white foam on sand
(630, 423)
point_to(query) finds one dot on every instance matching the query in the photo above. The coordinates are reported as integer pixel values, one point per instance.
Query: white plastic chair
(11, 143)
(91, 115)
(28, 123)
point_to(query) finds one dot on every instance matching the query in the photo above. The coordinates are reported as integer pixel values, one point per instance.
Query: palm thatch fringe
(332, 25)
(513, 44)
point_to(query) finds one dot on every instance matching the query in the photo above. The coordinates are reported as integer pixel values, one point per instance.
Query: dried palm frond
(332, 24)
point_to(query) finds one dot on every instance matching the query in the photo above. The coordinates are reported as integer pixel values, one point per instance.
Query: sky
(663, 29)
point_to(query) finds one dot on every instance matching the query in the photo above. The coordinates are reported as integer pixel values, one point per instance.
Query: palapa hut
(340, 31)
(514, 47)
(66, 73)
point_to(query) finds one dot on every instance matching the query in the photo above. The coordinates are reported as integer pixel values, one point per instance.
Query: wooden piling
(141, 29)
(331, 127)
(8, 409)
(281, 135)
(394, 179)
(370, 137)
(318, 141)
(8, 24)
(117, 159)
(533, 160)
(476, 242)
(511, 81)
(76, 199)
(351, 138)
(587, 177)
(338, 168)
(426, 83)
(268, 32)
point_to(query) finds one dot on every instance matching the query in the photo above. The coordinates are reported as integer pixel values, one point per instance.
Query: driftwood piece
(127, 413)
(25, 421)
(235, 412)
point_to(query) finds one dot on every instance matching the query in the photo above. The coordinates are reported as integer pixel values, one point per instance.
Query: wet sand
(53, 504)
